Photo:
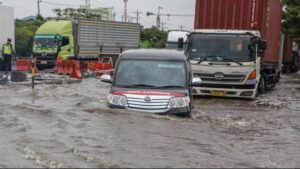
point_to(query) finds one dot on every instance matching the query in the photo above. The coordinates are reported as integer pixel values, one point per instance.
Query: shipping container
(7, 24)
(262, 15)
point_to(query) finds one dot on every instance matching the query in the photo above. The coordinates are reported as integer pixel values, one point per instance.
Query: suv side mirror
(196, 81)
(180, 43)
(106, 78)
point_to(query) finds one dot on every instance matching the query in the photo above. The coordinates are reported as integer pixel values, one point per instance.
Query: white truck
(7, 24)
(229, 63)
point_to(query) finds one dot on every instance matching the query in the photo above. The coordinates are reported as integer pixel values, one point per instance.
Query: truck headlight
(117, 100)
(179, 102)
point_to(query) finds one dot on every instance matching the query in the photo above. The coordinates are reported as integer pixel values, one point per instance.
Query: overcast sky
(25, 8)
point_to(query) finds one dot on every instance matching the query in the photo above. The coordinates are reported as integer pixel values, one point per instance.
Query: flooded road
(70, 126)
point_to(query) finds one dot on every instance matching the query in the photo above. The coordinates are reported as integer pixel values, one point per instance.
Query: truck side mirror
(65, 41)
(180, 43)
(262, 44)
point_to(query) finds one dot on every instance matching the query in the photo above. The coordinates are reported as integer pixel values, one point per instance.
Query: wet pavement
(69, 125)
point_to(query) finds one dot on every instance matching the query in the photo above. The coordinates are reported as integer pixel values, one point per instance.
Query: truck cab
(227, 61)
(53, 39)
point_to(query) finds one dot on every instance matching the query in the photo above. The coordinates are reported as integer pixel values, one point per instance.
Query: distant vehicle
(154, 81)
(235, 53)
(174, 36)
(7, 24)
(83, 39)
(291, 57)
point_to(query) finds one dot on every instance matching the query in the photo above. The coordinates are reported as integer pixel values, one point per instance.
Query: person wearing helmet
(7, 52)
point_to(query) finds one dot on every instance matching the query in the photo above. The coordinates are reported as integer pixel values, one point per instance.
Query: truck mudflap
(225, 92)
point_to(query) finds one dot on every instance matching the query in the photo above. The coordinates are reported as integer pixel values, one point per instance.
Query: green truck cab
(53, 39)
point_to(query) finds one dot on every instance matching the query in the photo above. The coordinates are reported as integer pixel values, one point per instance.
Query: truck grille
(156, 103)
(226, 78)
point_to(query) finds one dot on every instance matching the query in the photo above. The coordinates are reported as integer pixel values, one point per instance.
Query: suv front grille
(156, 103)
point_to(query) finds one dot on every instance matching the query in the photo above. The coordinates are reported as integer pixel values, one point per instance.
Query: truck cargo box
(107, 37)
(7, 24)
(262, 15)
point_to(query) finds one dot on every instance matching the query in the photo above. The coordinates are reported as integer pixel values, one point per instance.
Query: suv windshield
(46, 42)
(220, 47)
(150, 74)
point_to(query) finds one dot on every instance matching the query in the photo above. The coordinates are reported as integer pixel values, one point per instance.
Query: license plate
(44, 62)
(218, 93)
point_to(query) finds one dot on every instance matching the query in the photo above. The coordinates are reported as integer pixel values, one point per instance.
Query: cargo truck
(83, 39)
(7, 24)
(227, 49)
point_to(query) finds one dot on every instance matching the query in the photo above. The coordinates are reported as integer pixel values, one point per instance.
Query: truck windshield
(151, 74)
(220, 47)
(46, 42)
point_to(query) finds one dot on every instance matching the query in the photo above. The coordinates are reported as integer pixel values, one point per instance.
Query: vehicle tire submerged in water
(262, 86)
(17, 76)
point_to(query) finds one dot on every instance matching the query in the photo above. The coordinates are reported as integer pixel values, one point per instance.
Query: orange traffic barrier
(74, 68)
(23, 64)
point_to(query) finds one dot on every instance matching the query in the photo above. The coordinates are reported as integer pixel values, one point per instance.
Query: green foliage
(155, 37)
(25, 31)
(77, 13)
(291, 17)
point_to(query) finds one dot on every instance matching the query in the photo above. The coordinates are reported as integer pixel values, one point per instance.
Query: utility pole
(138, 16)
(125, 10)
(87, 4)
(163, 25)
(39, 8)
(158, 17)
(181, 27)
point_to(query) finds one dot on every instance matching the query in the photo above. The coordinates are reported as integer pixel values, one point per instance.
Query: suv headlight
(179, 102)
(117, 100)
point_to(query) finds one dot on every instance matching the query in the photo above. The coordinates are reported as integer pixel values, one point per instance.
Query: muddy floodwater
(69, 125)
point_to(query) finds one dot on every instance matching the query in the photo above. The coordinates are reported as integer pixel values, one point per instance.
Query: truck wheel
(191, 113)
(262, 86)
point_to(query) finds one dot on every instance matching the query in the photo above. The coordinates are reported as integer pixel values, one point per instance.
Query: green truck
(83, 39)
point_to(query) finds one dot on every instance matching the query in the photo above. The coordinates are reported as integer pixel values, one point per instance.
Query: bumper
(225, 92)
(46, 63)
(174, 111)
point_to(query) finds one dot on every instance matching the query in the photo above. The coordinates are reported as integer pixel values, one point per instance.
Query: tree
(154, 36)
(25, 31)
(291, 17)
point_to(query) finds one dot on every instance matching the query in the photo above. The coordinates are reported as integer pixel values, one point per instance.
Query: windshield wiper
(207, 57)
(231, 60)
(138, 86)
(171, 86)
